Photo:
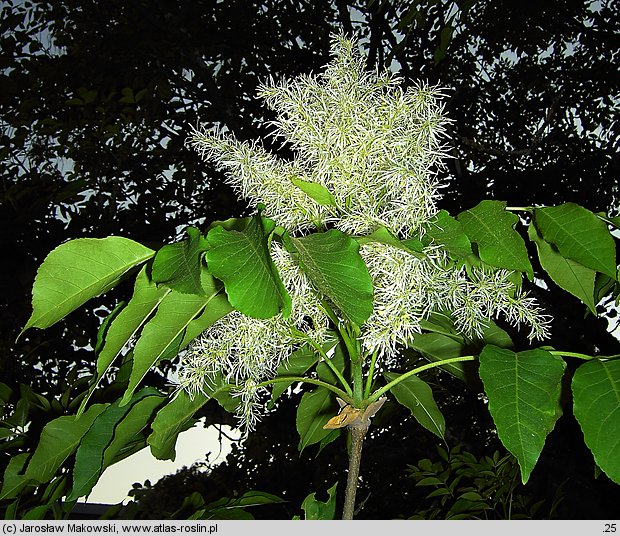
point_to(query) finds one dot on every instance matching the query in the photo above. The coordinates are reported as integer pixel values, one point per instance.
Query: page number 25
(610, 527)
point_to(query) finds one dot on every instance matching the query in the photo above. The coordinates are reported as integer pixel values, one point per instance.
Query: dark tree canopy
(97, 98)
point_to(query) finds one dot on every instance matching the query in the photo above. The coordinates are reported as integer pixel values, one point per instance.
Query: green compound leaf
(566, 273)
(313, 412)
(79, 270)
(578, 235)
(319, 510)
(491, 227)
(59, 440)
(524, 392)
(333, 264)
(443, 229)
(316, 191)
(93, 454)
(163, 335)
(596, 400)
(243, 262)
(146, 297)
(178, 266)
(417, 396)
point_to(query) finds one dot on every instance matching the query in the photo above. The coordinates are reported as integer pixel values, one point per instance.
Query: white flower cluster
(376, 149)
(408, 289)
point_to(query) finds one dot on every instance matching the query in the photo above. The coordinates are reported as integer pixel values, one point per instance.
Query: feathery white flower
(374, 146)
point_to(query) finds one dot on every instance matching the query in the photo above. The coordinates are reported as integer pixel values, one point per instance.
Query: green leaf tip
(524, 399)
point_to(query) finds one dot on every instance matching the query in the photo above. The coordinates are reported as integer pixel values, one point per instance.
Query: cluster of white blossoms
(408, 289)
(376, 148)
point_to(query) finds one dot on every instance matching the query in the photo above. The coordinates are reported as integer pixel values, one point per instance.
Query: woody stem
(355, 457)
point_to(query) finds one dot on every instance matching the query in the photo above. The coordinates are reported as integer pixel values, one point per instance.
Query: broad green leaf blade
(316, 191)
(59, 439)
(491, 227)
(524, 392)
(443, 229)
(566, 273)
(218, 307)
(162, 335)
(596, 400)
(146, 297)
(243, 262)
(417, 396)
(171, 420)
(313, 412)
(579, 235)
(437, 347)
(384, 236)
(315, 509)
(89, 458)
(333, 263)
(14, 481)
(178, 266)
(129, 431)
(79, 270)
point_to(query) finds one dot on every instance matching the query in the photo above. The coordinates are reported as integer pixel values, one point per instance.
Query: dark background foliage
(96, 99)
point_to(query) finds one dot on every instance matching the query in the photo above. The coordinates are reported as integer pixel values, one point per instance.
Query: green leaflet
(333, 264)
(596, 400)
(79, 270)
(524, 392)
(105, 325)
(243, 262)
(316, 191)
(384, 236)
(178, 266)
(566, 273)
(227, 508)
(449, 233)
(97, 450)
(177, 416)
(13, 481)
(174, 418)
(218, 307)
(313, 412)
(146, 297)
(491, 227)
(163, 334)
(417, 396)
(315, 509)
(436, 347)
(578, 235)
(59, 439)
